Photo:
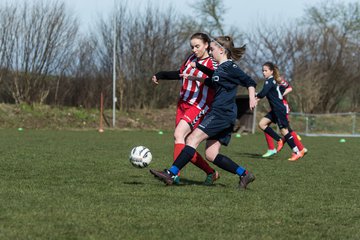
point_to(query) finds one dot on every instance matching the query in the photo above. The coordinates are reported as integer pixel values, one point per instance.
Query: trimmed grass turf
(80, 185)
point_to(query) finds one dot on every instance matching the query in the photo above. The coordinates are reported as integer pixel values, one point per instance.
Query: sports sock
(269, 141)
(178, 147)
(298, 143)
(272, 133)
(240, 171)
(290, 140)
(228, 165)
(184, 157)
(199, 161)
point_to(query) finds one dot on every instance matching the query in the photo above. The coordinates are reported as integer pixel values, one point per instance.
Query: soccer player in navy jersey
(218, 123)
(194, 101)
(278, 113)
(285, 89)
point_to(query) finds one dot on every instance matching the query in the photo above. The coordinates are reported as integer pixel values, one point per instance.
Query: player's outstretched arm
(166, 75)
(252, 100)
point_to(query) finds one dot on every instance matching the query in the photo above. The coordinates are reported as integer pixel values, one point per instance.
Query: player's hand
(154, 79)
(252, 103)
(193, 64)
(185, 75)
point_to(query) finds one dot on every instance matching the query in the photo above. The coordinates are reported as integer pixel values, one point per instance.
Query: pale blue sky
(243, 14)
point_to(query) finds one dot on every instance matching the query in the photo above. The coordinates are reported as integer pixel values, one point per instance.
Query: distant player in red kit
(195, 99)
(285, 88)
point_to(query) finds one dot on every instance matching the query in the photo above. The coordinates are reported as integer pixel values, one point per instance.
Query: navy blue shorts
(217, 128)
(278, 117)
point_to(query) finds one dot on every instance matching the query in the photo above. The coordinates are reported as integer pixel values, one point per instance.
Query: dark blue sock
(184, 157)
(240, 171)
(174, 170)
(272, 133)
(229, 165)
(290, 140)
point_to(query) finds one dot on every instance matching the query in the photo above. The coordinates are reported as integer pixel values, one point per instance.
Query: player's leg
(271, 146)
(296, 137)
(185, 156)
(297, 141)
(184, 128)
(264, 125)
(181, 131)
(220, 135)
(290, 140)
(225, 163)
(187, 118)
(193, 116)
(269, 141)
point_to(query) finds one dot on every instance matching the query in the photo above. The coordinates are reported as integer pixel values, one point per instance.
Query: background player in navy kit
(271, 91)
(218, 123)
(285, 89)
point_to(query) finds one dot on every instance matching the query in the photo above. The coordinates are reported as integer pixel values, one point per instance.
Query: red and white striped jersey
(283, 86)
(195, 92)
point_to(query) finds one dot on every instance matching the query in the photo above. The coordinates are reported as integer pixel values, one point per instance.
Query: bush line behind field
(49, 117)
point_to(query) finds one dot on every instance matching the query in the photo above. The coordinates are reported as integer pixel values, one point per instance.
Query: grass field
(80, 185)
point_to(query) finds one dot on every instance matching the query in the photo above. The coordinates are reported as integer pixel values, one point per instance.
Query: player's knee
(262, 126)
(193, 140)
(284, 131)
(179, 137)
(210, 156)
(190, 140)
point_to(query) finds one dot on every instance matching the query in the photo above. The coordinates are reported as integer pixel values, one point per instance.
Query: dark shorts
(278, 117)
(217, 128)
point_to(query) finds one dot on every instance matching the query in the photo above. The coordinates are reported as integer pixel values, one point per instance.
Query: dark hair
(202, 36)
(227, 43)
(273, 67)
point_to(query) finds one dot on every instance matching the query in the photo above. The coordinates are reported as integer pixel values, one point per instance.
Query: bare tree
(333, 29)
(37, 45)
(210, 19)
(146, 42)
(320, 56)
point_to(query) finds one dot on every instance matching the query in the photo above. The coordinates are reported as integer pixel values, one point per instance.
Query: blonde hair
(227, 43)
(276, 72)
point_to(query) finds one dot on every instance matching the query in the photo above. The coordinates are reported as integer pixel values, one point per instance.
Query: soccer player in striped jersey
(218, 123)
(285, 89)
(194, 101)
(278, 114)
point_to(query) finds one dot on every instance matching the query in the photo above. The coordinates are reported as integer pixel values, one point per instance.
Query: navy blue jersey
(225, 80)
(271, 91)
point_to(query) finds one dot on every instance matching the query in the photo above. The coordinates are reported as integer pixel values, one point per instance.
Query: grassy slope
(47, 117)
(80, 185)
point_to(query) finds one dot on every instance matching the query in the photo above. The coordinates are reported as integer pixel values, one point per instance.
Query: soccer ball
(140, 156)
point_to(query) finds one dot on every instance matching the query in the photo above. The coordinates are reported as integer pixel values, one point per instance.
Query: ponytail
(232, 52)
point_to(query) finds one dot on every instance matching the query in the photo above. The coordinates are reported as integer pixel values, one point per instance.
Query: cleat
(166, 176)
(211, 178)
(305, 151)
(269, 153)
(245, 180)
(176, 180)
(296, 156)
(280, 145)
